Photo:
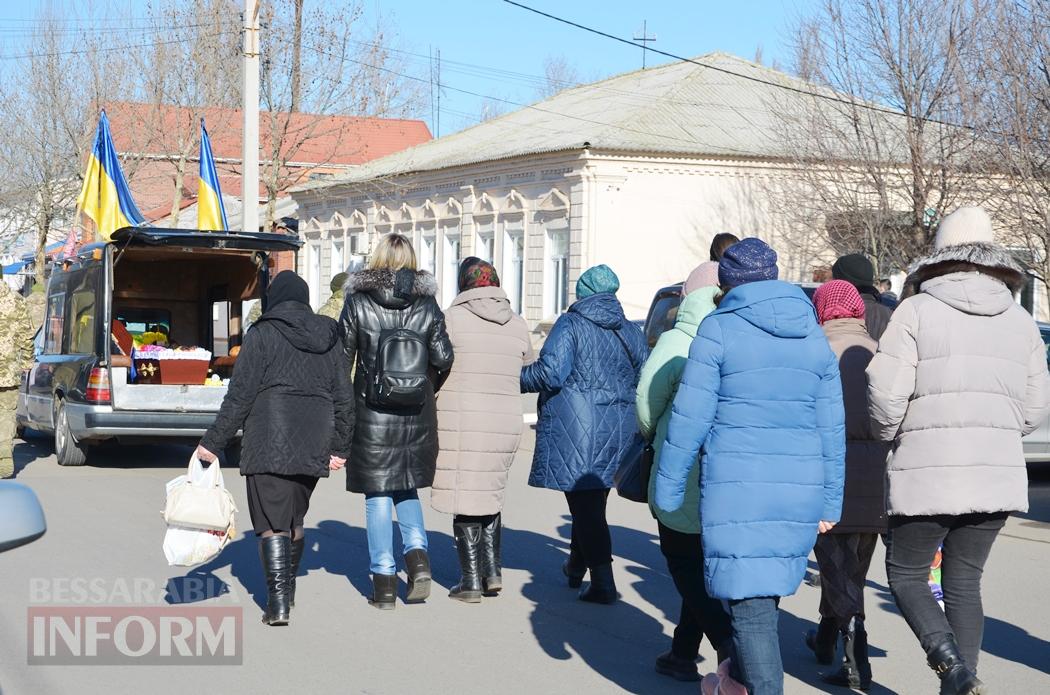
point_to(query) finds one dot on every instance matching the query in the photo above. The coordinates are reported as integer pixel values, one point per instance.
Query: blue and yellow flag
(105, 197)
(211, 213)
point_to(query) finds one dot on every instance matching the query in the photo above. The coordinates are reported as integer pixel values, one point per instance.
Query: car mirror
(21, 516)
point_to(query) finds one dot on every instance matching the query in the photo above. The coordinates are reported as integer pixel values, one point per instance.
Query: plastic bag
(199, 499)
(198, 496)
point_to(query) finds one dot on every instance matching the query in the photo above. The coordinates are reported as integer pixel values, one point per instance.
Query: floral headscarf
(838, 299)
(474, 273)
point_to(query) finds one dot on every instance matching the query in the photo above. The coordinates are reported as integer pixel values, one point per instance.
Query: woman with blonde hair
(394, 334)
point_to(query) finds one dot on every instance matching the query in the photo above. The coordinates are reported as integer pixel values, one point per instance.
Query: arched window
(552, 216)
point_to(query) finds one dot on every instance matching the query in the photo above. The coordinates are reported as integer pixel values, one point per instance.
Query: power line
(799, 90)
(110, 49)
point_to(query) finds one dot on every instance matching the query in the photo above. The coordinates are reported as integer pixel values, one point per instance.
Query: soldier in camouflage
(16, 356)
(332, 308)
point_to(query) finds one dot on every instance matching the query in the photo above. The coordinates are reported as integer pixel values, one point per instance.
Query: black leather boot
(860, 649)
(602, 588)
(417, 565)
(384, 591)
(956, 679)
(468, 538)
(297, 555)
(575, 569)
(276, 555)
(822, 640)
(848, 675)
(490, 567)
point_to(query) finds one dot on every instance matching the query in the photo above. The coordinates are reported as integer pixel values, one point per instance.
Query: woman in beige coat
(959, 378)
(479, 423)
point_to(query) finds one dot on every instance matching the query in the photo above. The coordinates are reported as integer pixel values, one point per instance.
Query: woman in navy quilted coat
(586, 377)
(762, 399)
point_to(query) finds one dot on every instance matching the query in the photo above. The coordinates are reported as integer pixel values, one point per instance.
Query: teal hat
(596, 280)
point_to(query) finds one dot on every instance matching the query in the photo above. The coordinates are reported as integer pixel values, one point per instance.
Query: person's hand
(336, 463)
(825, 526)
(205, 455)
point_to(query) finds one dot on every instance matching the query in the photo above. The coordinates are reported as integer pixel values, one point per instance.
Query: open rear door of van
(191, 238)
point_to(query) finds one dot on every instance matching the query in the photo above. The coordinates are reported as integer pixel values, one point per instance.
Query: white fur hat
(969, 225)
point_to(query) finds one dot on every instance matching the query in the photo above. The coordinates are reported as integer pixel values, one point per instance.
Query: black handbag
(636, 465)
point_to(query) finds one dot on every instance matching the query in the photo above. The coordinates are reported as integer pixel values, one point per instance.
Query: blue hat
(596, 280)
(748, 260)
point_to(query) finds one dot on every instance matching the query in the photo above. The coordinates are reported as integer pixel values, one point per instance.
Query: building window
(556, 271)
(337, 264)
(313, 272)
(486, 240)
(450, 264)
(426, 252)
(513, 274)
(358, 247)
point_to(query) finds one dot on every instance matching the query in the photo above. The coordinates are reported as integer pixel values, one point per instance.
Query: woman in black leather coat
(394, 451)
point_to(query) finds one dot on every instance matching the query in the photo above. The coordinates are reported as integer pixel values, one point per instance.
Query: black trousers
(278, 503)
(844, 559)
(967, 540)
(590, 530)
(700, 614)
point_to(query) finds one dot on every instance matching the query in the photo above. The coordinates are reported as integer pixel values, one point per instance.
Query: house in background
(638, 171)
(155, 141)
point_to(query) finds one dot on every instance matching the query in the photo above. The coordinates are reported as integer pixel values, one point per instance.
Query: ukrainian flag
(105, 197)
(211, 213)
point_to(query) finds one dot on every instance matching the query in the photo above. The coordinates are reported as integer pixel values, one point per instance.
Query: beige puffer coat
(959, 378)
(479, 405)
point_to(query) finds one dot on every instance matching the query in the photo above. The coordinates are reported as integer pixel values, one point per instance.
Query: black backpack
(398, 379)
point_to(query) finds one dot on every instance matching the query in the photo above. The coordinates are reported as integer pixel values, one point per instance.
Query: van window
(82, 309)
(56, 319)
(662, 316)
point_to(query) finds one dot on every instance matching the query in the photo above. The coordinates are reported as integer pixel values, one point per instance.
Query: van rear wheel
(68, 450)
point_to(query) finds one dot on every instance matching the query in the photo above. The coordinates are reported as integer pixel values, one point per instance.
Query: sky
(497, 50)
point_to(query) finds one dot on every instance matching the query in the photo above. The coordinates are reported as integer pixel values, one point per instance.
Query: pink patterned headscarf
(838, 299)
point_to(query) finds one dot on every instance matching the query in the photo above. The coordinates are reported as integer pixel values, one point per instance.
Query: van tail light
(98, 386)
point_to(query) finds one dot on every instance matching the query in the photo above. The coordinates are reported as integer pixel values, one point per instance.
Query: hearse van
(93, 381)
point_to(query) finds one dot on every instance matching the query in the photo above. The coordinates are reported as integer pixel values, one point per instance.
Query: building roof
(681, 108)
(150, 129)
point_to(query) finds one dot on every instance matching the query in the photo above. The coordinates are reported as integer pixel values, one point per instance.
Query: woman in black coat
(291, 395)
(394, 451)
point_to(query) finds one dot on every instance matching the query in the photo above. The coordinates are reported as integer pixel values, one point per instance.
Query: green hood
(696, 305)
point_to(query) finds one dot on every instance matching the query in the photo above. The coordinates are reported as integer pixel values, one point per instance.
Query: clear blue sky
(493, 33)
(502, 38)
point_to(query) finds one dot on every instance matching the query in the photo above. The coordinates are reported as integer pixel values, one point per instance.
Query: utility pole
(297, 55)
(250, 172)
(643, 39)
(438, 134)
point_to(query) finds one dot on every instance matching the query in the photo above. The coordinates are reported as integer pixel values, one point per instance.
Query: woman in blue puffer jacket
(586, 377)
(761, 397)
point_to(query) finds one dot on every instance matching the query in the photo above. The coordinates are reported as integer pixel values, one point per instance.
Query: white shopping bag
(195, 504)
(199, 499)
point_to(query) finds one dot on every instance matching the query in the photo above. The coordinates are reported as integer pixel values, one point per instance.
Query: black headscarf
(287, 287)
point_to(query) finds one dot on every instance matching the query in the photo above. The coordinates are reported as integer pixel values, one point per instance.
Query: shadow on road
(31, 449)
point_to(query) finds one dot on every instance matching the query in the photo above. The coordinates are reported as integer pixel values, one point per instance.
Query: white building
(638, 171)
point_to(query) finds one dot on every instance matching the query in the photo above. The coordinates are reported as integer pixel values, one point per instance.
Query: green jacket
(656, 391)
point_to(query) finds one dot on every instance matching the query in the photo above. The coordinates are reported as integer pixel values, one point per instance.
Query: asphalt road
(104, 527)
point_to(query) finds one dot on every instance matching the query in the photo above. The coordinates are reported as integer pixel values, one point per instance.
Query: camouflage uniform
(36, 303)
(16, 355)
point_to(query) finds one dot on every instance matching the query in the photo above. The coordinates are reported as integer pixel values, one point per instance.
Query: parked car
(664, 310)
(185, 286)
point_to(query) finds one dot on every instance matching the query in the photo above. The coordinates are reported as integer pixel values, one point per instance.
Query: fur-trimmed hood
(391, 288)
(989, 259)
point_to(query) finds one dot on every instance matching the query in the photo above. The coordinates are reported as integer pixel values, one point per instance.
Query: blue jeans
(379, 522)
(756, 645)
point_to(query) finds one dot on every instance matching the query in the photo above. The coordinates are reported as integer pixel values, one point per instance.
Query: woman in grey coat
(959, 378)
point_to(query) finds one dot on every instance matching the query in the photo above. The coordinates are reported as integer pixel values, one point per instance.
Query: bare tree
(1017, 68)
(50, 98)
(558, 74)
(344, 69)
(886, 149)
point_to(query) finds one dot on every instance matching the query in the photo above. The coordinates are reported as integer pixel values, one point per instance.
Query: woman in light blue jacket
(761, 396)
